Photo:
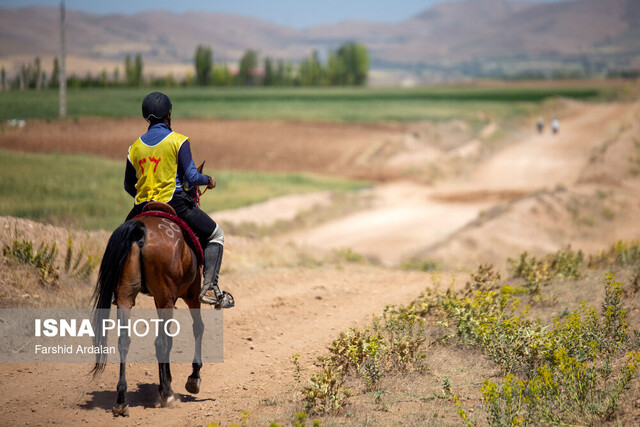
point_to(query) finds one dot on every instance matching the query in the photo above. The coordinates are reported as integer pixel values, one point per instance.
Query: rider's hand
(212, 182)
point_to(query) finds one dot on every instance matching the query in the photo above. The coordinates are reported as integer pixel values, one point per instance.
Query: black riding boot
(211, 293)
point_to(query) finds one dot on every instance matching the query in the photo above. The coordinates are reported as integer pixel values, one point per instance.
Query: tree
(311, 71)
(133, 70)
(349, 65)
(116, 76)
(203, 60)
(284, 73)
(247, 68)
(104, 81)
(128, 71)
(222, 76)
(54, 81)
(31, 75)
(138, 70)
(269, 73)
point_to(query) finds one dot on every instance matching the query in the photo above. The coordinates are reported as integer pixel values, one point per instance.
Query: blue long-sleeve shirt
(186, 168)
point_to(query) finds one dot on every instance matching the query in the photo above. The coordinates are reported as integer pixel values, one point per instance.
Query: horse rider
(555, 125)
(159, 164)
(540, 124)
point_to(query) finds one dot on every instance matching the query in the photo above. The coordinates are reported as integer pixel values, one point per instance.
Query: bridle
(199, 194)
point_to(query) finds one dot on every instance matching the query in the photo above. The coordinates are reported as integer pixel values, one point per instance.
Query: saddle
(163, 210)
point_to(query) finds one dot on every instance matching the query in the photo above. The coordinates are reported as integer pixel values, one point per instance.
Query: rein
(199, 194)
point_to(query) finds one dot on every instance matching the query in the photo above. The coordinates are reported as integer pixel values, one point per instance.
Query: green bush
(564, 264)
(572, 379)
(622, 254)
(43, 259)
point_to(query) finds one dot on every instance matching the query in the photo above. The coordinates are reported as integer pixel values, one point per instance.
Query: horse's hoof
(121, 410)
(193, 385)
(168, 402)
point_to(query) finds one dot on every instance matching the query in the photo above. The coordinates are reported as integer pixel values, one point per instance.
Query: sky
(293, 13)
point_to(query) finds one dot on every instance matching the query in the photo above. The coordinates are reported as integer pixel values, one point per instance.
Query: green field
(57, 189)
(332, 104)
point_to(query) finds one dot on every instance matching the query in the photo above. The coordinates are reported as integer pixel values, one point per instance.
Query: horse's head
(193, 192)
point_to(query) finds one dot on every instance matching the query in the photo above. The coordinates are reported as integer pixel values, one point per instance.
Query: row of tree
(347, 66)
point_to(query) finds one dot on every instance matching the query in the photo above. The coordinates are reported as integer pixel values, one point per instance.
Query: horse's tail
(115, 255)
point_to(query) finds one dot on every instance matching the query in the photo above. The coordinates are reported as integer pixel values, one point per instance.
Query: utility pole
(63, 59)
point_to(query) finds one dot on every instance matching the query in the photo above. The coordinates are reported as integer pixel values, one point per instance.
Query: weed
(300, 420)
(484, 279)
(417, 264)
(297, 370)
(350, 255)
(43, 259)
(325, 394)
(564, 264)
(403, 335)
(462, 412)
(574, 381)
(76, 266)
(622, 254)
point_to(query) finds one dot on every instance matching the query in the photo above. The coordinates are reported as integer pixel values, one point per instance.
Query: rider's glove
(212, 182)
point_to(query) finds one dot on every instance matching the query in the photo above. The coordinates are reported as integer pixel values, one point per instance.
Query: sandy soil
(287, 304)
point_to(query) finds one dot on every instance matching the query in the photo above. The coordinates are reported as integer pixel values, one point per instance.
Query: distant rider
(555, 126)
(158, 164)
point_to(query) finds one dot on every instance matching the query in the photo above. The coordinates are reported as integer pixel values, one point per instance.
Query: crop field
(326, 104)
(58, 189)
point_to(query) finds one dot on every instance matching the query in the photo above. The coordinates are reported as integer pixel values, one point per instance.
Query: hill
(468, 37)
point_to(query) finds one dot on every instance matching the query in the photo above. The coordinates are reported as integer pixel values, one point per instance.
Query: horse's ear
(201, 167)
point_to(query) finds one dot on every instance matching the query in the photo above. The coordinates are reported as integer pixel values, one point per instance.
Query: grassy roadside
(556, 342)
(332, 104)
(87, 192)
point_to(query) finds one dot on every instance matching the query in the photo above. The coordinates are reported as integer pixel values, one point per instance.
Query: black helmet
(156, 106)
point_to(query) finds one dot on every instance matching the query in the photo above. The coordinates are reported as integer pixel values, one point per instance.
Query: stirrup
(225, 301)
(217, 298)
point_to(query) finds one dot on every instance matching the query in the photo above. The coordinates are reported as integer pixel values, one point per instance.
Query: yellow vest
(156, 167)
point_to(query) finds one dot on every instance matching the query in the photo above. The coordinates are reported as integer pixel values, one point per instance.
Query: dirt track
(406, 217)
(285, 306)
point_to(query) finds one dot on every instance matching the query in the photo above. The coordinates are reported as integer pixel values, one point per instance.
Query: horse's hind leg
(164, 342)
(193, 382)
(122, 407)
(125, 297)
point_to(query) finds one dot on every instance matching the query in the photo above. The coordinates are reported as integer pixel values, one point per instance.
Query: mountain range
(464, 37)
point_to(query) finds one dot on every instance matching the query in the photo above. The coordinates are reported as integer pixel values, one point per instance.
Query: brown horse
(148, 255)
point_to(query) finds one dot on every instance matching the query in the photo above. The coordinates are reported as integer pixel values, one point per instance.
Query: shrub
(43, 259)
(325, 394)
(575, 382)
(564, 264)
(622, 254)
(76, 266)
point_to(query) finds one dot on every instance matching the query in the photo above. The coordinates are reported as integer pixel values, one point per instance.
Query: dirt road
(406, 217)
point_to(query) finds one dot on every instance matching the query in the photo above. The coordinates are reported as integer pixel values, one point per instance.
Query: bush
(622, 254)
(575, 381)
(564, 264)
(44, 260)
